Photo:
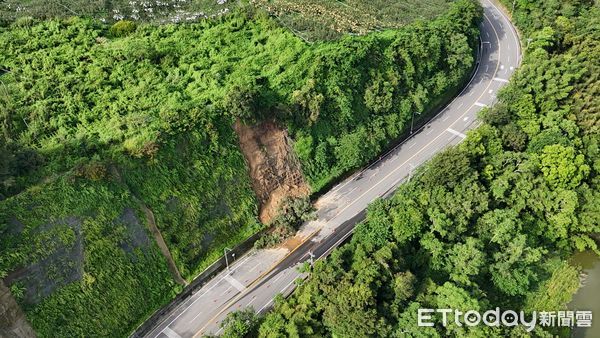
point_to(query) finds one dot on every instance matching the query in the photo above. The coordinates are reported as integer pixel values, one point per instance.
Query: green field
(310, 19)
(329, 19)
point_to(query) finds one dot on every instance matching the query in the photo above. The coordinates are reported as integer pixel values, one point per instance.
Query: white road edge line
(288, 285)
(264, 306)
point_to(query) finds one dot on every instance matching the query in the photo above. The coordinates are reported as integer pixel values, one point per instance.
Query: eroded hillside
(274, 169)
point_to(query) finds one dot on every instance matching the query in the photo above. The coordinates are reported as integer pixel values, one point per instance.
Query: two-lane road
(258, 277)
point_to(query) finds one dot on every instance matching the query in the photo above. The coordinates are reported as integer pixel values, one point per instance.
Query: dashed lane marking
(195, 317)
(351, 191)
(227, 290)
(251, 301)
(254, 268)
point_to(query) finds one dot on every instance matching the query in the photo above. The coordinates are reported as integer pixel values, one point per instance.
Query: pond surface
(588, 295)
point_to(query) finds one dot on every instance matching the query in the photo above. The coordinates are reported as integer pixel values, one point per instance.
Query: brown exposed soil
(162, 245)
(292, 242)
(274, 169)
(12, 320)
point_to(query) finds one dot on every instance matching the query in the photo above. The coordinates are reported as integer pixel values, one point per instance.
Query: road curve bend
(256, 278)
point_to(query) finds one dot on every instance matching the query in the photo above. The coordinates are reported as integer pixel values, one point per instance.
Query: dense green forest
(100, 123)
(359, 94)
(487, 223)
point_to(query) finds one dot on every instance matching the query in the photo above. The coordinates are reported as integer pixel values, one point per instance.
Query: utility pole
(528, 41)
(412, 167)
(312, 257)
(412, 121)
(226, 259)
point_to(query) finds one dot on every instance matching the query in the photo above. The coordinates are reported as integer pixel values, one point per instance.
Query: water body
(588, 295)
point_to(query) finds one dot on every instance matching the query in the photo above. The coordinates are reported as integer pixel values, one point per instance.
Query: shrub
(122, 28)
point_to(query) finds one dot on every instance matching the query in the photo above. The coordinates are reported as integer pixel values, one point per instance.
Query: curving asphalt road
(258, 276)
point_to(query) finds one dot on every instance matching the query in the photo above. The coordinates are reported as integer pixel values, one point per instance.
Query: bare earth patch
(12, 320)
(274, 169)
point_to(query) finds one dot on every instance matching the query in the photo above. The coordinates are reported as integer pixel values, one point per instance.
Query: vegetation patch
(315, 20)
(82, 265)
